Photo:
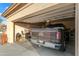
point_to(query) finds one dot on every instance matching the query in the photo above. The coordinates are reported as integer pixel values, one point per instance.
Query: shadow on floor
(43, 51)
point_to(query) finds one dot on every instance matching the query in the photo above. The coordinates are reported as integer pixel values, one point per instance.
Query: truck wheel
(62, 49)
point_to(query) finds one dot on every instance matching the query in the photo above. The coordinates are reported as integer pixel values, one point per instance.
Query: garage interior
(60, 13)
(23, 17)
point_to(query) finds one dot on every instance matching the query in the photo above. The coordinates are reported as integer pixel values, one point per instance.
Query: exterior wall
(10, 31)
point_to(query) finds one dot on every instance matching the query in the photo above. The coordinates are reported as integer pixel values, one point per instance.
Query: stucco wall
(10, 31)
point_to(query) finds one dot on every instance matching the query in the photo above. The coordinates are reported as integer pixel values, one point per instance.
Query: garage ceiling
(59, 11)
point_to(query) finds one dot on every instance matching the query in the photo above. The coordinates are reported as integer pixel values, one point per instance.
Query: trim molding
(19, 10)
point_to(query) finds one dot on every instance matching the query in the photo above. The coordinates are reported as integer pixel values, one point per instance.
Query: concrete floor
(28, 49)
(16, 50)
(42, 51)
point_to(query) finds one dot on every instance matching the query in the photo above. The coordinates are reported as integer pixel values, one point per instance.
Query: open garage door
(47, 28)
(58, 14)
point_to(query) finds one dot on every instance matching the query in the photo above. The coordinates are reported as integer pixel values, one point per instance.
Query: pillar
(77, 29)
(10, 31)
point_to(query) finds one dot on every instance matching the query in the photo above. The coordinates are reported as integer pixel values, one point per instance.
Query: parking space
(43, 51)
(50, 26)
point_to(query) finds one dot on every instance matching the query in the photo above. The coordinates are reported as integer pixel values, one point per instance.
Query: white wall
(18, 29)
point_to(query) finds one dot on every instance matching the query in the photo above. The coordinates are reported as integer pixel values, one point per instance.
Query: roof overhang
(13, 8)
(58, 11)
(31, 13)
